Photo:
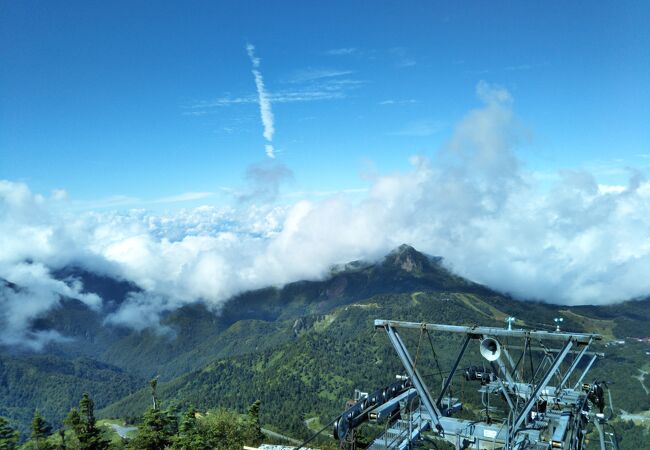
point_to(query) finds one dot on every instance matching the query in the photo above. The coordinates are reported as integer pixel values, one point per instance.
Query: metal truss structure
(536, 414)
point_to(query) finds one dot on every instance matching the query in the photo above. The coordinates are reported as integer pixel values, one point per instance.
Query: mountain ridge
(267, 326)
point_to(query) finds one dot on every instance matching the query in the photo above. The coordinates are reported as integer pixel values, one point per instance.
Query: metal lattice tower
(542, 409)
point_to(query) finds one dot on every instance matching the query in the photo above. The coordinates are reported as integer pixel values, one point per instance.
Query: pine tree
(156, 431)
(158, 427)
(62, 445)
(83, 423)
(8, 436)
(40, 431)
(255, 435)
(154, 383)
(189, 436)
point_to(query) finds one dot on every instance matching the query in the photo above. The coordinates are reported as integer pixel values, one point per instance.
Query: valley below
(301, 349)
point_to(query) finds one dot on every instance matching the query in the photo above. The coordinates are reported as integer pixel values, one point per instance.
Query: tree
(154, 383)
(8, 436)
(189, 437)
(158, 428)
(40, 431)
(254, 434)
(83, 423)
(225, 430)
(62, 445)
(156, 431)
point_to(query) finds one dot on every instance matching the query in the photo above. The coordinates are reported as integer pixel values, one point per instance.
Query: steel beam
(573, 366)
(584, 372)
(503, 369)
(555, 350)
(414, 375)
(505, 351)
(580, 338)
(506, 394)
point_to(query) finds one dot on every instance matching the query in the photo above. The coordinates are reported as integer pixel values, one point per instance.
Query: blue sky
(143, 101)
(134, 140)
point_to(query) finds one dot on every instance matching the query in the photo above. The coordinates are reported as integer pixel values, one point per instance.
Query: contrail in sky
(264, 102)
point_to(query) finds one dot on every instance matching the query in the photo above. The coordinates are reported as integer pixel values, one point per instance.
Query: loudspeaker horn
(490, 349)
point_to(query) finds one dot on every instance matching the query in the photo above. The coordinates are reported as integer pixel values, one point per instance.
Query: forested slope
(302, 349)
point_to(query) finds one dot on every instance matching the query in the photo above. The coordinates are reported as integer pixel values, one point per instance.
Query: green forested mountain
(335, 353)
(301, 349)
(54, 384)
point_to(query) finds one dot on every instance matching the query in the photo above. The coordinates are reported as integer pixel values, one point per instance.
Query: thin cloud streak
(250, 49)
(264, 101)
(307, 75)
(287, 96)
(307, 85)
(265, 107)
(320, 90)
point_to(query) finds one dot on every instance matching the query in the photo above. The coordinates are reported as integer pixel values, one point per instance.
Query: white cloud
(142, 310)
(265, 107)
(492, 94)
(474, 204)
(263, 98)
(250, 49)
(610, 189)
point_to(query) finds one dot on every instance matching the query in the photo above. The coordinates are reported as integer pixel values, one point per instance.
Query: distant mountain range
(302, 349)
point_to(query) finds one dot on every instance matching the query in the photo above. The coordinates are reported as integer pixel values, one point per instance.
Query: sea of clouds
(574, 242)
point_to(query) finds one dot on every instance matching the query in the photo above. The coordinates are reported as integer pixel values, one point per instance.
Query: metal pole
(571, 369)
(453, 371)
(584, 372)
(601, 435)
(545, 380)
(504, 389)
(506, 372)
(508, 357)
(414, 375)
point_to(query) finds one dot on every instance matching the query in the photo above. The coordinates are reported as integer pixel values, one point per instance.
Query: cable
(435, 357)
(614, 433)
(313, 436)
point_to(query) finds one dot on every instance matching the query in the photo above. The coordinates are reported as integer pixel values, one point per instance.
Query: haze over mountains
(224, 196)
(572, 241)
(321, 326)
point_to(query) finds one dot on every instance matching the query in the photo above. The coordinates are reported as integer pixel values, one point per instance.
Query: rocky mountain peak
(408, 259)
